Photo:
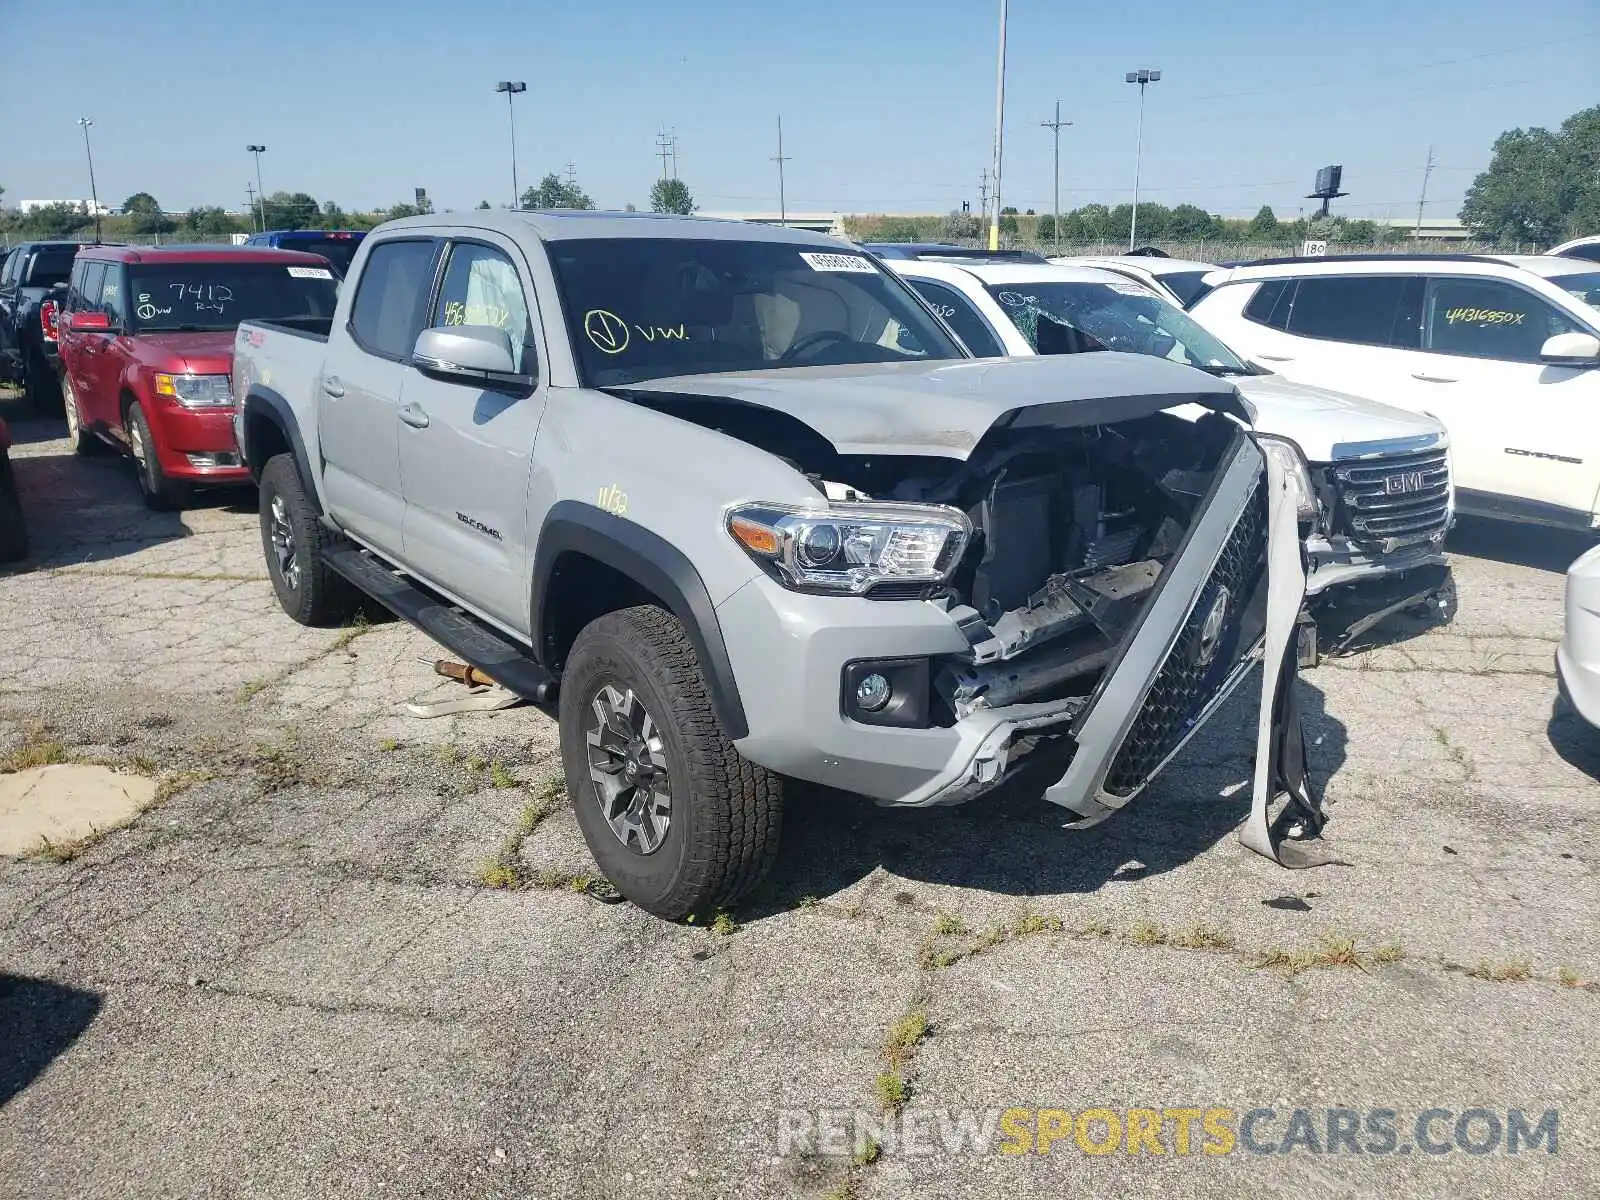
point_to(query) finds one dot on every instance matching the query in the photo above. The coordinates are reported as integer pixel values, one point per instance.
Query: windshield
(647, 308)
(336, 249)
(1185, 285)
(218, 295)
(1585, 287)
(1118, 316)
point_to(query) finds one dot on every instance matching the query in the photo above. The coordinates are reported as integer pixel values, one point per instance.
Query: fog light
(204, 460)
(873, 692)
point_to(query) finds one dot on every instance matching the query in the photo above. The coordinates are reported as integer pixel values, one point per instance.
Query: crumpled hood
(943, 408)
(1318, 419)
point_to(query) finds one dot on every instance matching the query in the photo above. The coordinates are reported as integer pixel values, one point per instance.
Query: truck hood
(943, 408)
(1318, 419)
(208, 352)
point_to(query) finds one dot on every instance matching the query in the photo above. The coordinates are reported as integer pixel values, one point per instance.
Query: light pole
(94, 195)
(780, 158)
(512, 87)
(261, 192)
(1143, 77)
(999, 130)
(1055, 128)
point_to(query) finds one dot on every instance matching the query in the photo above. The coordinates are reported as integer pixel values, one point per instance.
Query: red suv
(146, 338)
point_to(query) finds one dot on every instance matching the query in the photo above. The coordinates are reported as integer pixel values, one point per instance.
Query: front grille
(1201, 660)
(1395, 496)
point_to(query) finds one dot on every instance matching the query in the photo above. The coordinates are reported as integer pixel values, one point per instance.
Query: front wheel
(292, 538)
(674, 817)
(159, 492)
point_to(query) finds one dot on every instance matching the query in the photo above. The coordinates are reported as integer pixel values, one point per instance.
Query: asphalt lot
(290, 977)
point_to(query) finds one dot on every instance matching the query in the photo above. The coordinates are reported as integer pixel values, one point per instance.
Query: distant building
(1443, 229)
(84, 206)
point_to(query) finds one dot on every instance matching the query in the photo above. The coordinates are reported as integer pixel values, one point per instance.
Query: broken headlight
(1288, 456)
(852, 548)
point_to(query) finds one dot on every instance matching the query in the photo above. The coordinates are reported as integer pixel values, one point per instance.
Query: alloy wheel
(281, 533)
(628, 769)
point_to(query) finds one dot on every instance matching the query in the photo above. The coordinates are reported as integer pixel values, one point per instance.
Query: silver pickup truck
(737, 505)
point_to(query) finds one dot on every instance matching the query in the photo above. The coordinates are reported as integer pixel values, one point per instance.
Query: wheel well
(124, 403)
(580, 589)
(263, 438)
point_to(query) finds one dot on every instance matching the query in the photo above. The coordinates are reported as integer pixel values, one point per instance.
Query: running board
(457, 631)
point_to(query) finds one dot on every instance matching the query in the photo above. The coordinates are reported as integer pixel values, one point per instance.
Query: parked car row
(31, 276)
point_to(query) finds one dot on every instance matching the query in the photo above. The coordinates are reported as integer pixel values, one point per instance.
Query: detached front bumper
(1195, 642)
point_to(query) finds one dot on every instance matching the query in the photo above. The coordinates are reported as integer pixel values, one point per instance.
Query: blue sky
(887, 105)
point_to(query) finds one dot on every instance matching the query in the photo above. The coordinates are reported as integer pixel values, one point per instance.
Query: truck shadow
(1521, 545)
(1574, 739)
(39, 1021)
(1012, 840)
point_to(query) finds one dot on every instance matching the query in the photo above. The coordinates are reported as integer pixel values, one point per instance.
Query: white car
(1578, 655)
(1375, 480)
(1504, 350)
(1180, 280)
(1584, 247)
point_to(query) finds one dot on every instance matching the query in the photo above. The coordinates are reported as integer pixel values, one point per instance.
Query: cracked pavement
(288, 977)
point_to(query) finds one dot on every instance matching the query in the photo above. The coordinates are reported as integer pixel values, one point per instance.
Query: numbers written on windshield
(206, 297)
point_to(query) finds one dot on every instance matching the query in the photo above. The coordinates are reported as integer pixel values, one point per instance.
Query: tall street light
(1055, 128)
(94, 195)
(999, 130)
(261, 192)
(512, 87)
(1143, 77)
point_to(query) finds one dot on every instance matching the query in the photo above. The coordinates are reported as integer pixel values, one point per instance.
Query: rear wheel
(13, 534)
(160, 492)
(292, 538)
(40, 389)
(83, 442)
(674, 817)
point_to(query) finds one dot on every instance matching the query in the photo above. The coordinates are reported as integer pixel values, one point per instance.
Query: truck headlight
(1295, 470)
(196, 391)
(851, 548)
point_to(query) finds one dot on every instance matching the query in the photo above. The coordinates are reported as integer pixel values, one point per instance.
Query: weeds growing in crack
(359, 624)
(505, 870)
(388, 745)
(38, 749)
(1569, 977)
(1517, 970)
(723, 924)
(899, 1049)
(500, 775)
(250, 690)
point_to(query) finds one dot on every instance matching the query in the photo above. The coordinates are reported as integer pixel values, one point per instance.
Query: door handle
(333, 387)
(1432, 378)
(1277, 357)
(413, 416)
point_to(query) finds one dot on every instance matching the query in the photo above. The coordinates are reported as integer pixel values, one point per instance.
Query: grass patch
(1333, 951)
(144, 764)
(1569, 977)
(388, 745)
(1517, 970)
(1031, 922)
(867, 1153)
(1389, 952)
(249, 691)
(180, 781)
(723, 925)
(359, 624)
(447, 754)
(66, 851)
(946, 925)
(500, 875)
(1201, 936)
(807, 902)
(1147, 933)
(500, 775)
(892, 1091)
(38, 749)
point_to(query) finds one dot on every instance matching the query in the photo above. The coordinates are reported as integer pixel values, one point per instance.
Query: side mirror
(1572, 350)
(476, 354)
(89, 322)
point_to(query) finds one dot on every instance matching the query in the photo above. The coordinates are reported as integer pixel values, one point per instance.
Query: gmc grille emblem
(1399, 485)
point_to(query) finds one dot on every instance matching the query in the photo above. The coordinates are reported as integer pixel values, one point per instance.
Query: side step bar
(457, 631)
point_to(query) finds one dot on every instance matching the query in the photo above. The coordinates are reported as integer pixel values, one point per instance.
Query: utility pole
(512, 87)
(780, 158)
(999, 129)
(94, 195)
(250, 191)
(663, 148)
(261, 192)
(674, 136)
(572, 174)
(1423, 199)
(983, 195)
(1055, 128)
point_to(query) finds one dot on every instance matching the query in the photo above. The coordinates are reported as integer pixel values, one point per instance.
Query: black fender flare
(656, 565)
(270, 405)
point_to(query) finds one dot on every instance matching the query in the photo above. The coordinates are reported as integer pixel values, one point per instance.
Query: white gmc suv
(1504, 350)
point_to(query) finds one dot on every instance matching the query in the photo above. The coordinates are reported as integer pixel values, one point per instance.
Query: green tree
(290, 210)
(210, 222)
(55, 220)
(1189, 222)
(144, 215)
(671, 196)
(1539, 186)
(1008, 221)
(553, 193)
(1265, 223)
(1046, 228)
(960, 225)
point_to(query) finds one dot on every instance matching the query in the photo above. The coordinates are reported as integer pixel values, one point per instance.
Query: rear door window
(392, 296)
(1489, 318)
(114, 296)
(958, 312)
(93, 279)
(1270, 304)
(1372, 310)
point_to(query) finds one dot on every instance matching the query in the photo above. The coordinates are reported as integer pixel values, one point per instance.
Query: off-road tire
(41, 391)
(160, 492)
(727, 813)
(319, 597)
(13, 533)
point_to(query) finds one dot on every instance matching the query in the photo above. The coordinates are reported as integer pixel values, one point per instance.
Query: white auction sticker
(839, 262)
(1128, 288)
(311, 272)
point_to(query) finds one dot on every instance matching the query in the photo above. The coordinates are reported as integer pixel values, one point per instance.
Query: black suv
(31, 290)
